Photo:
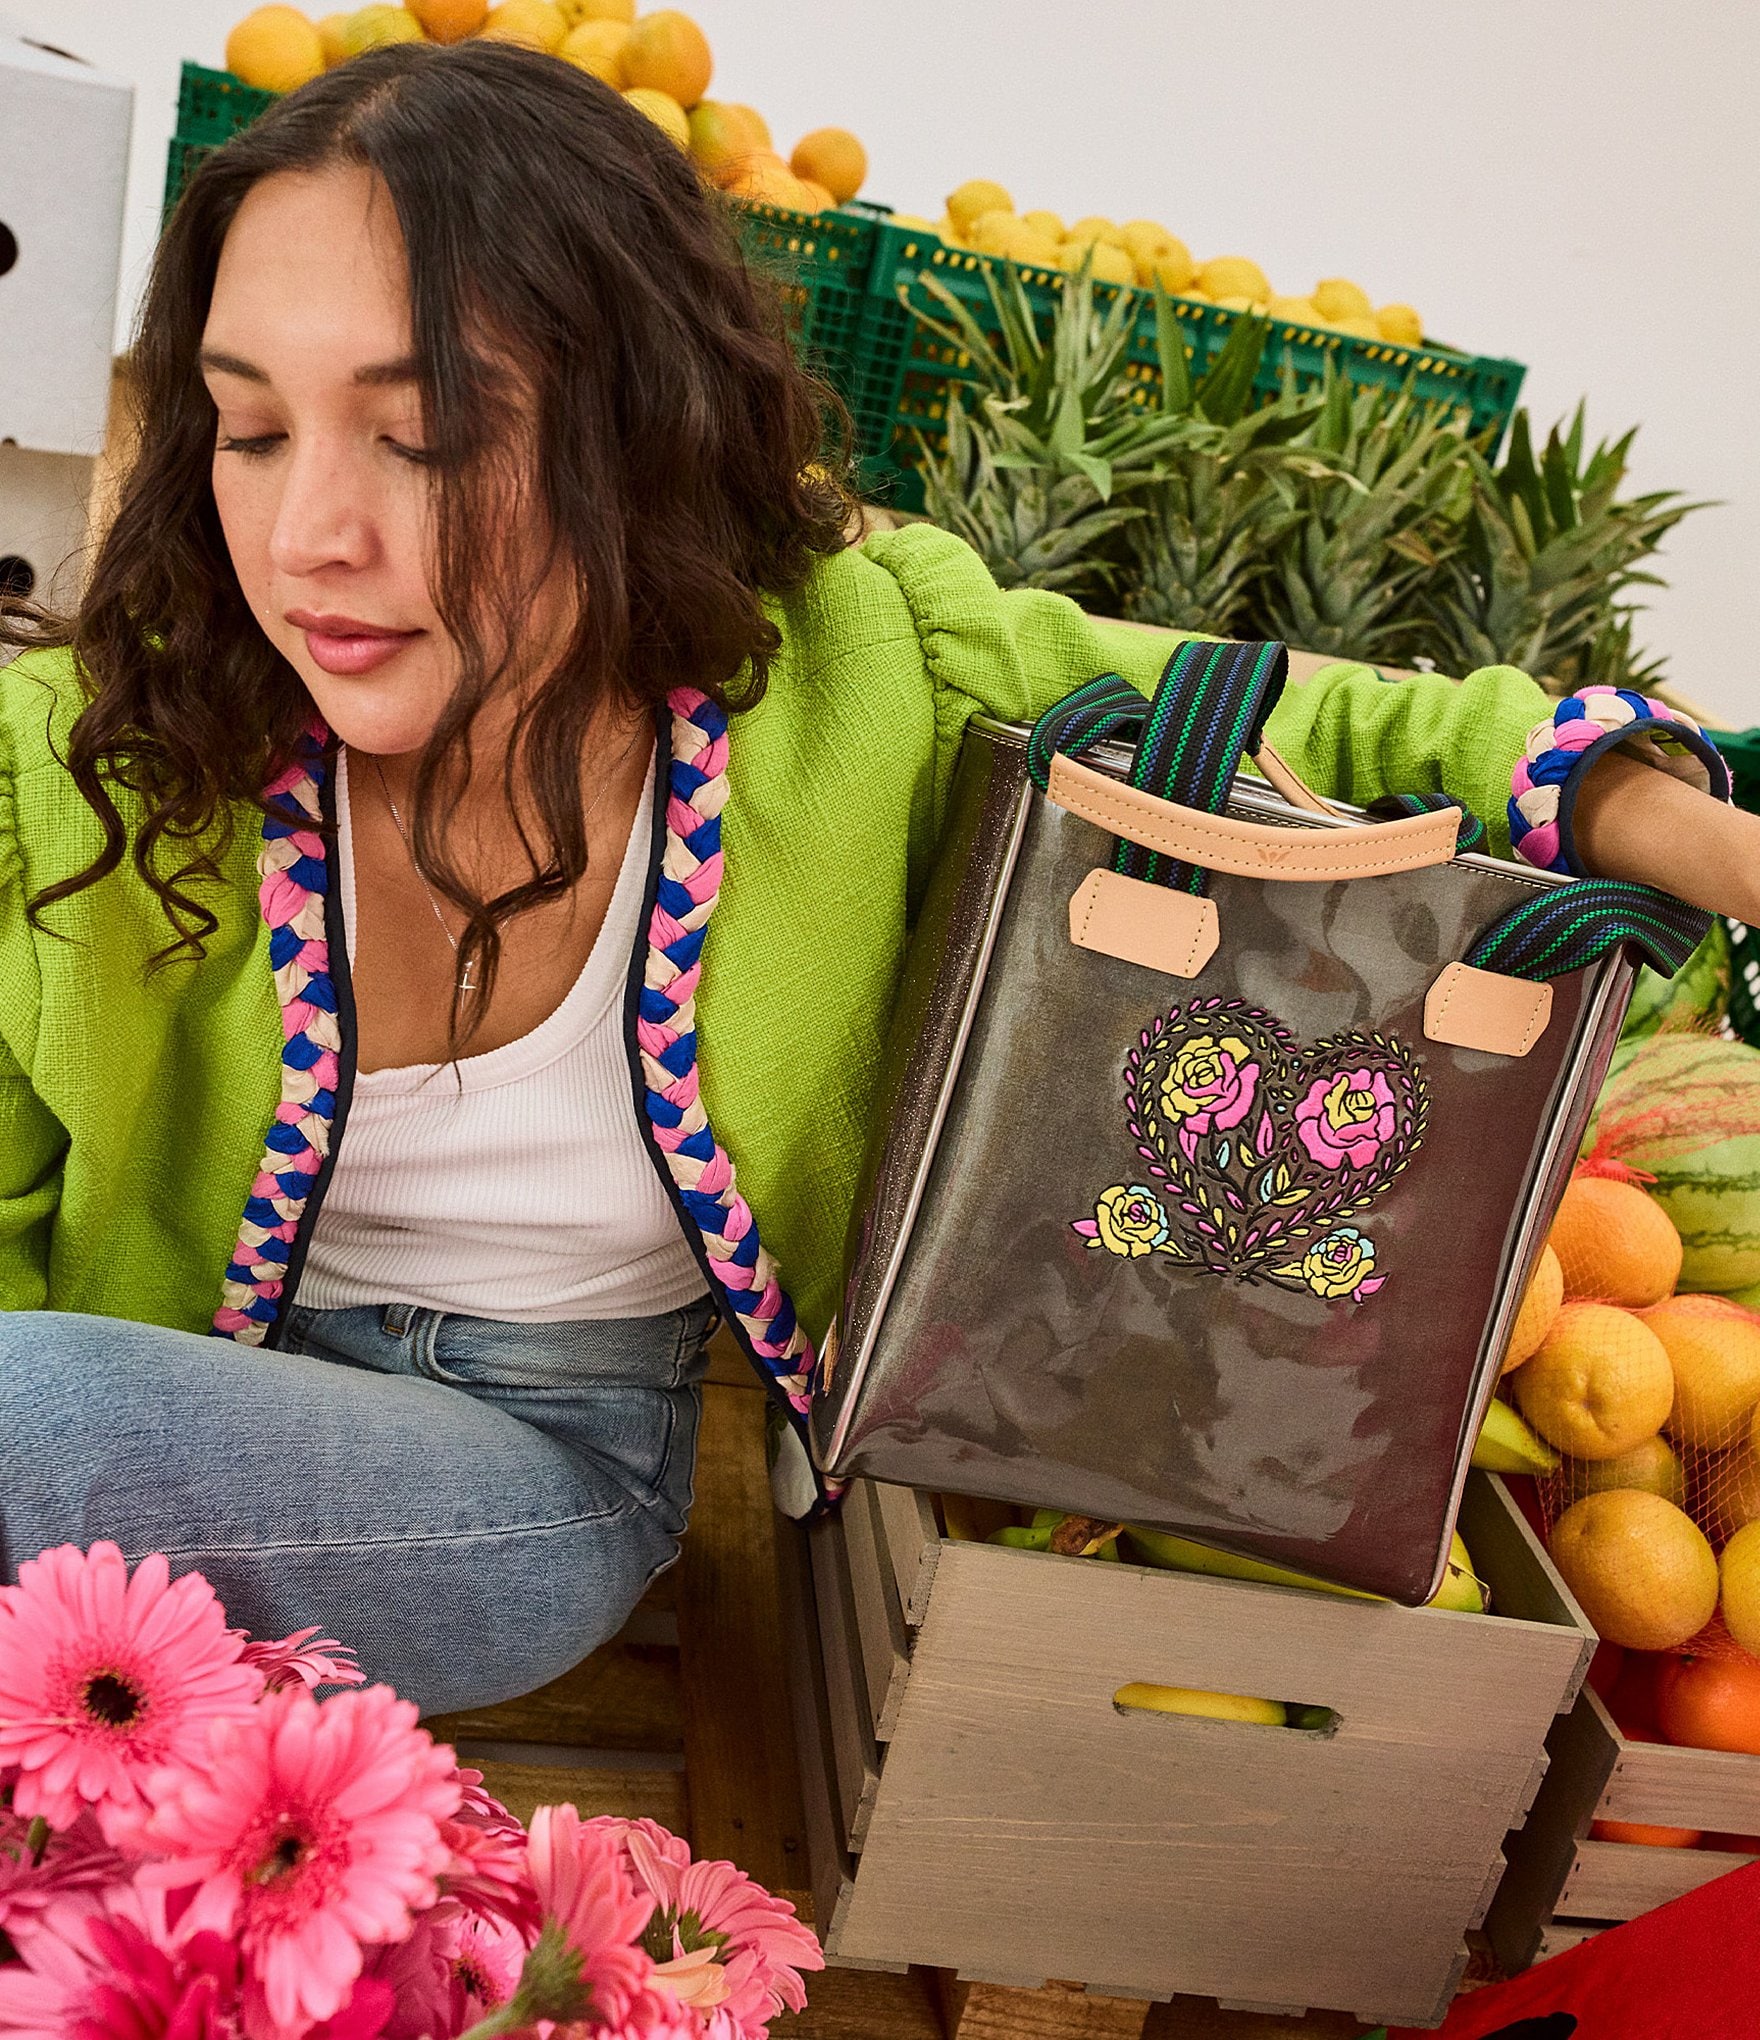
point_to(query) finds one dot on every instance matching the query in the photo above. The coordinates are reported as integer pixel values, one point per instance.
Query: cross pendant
(466, 982)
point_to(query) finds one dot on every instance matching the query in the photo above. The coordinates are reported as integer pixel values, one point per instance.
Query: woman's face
(319, 473)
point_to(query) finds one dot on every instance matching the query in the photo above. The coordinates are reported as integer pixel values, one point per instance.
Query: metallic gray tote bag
(1222, 1127)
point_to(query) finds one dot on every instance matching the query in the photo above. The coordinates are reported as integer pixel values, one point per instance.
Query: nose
(324, 517)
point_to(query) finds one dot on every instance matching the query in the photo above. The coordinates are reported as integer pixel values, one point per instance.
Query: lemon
(597, 47)
(1652, 1468)
(1233, 276)
(375, 28)
(1096, 228)
(1400, 323)
(275, 49)
(972, 200)
(1540, 1306)
(332, 33)
(1046, 224)
(1336, 297)
(833, 158)
(1148, 238)
(665, 112)
(1301, 310)
(1644, 1571)
(1104, 261)
(574, 12)
(535, 24)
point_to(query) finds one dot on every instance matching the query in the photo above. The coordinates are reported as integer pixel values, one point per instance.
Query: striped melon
(1685, 1110)
(1695, 999)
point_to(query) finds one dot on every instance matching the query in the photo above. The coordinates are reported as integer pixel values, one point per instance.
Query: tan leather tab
(1470, 1008)
(1252, 849)
(1141, 923)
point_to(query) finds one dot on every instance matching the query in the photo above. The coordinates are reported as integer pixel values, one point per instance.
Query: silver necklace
(465, 981)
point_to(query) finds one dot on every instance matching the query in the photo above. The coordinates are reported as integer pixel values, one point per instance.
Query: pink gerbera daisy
(106, 1967)
(104, 1678)
(39, 1865)
(310, 1831)
(721, 1942)
(589, 1903)
(297, 1661)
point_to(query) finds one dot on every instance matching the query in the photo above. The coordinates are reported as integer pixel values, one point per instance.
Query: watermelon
(1694, 1000)
(1685, 1110)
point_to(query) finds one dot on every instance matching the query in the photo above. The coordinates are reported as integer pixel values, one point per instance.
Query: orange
(721, 136)
(767, 180)
(1642, 1831)
(374, 28)
(1540, 1302)
(535, 24)
(755, 121)
(1642, 1569)
(819, 199)
(831, 157)
(1615, 1244)
(1599, 1385)
(974, 198)
(450, 21)
(667, 52)
(1712, 1703)
(1714, 1348)
(1654, 1468)
(664, 111)
(1739, 1568)
(597, 47)
(275, 49)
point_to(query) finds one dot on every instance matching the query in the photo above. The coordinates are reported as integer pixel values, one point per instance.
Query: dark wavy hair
(684, 463)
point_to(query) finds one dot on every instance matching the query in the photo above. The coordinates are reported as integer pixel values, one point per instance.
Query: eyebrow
(376, 375)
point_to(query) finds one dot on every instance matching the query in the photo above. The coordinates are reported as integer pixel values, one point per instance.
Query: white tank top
(515, 1184)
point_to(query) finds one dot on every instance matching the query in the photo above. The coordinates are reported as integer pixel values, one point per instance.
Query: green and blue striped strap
(1569, 927)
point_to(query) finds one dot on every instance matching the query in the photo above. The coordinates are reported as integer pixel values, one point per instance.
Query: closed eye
(253, 448)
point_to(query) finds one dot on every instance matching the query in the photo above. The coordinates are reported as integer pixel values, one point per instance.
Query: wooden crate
(1562, 1885)
(982, 1807)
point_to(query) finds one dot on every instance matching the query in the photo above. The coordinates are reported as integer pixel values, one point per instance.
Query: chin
(383, 716)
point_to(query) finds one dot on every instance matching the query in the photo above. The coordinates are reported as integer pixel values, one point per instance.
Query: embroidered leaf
(1188, 1143)
(1293, 1197)
(1222, 1154)
(1249, 1160)
(1368, 1286)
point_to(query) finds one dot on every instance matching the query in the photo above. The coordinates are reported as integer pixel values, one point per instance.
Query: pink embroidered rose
(1346, 1120)
(1210, 1084)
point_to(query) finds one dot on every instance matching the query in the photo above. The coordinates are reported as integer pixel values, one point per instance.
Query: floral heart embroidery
(1259, 1149)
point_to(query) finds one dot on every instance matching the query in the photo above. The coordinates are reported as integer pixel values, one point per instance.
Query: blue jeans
(473, 1505)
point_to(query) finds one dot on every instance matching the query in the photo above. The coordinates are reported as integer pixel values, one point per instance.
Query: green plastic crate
(907, 370)
(822, 262)
(211, 107)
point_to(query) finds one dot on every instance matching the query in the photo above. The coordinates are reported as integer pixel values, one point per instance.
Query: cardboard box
(976, 1802)
(64, 131)
(43, 500)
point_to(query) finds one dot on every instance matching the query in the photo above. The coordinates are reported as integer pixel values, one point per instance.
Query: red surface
(1688, 1971)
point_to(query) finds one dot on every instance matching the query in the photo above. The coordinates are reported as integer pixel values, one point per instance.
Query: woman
(475, 481)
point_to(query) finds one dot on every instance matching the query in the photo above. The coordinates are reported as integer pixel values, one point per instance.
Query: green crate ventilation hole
(851, 281)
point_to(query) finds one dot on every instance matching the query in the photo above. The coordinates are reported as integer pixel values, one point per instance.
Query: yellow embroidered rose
(1341, 1264)
(1210, 1084)
(1130, 1220)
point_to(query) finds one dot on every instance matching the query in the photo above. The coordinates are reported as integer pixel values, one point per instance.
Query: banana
(1506, 1445)
(1211, 1706)
(1461, 1587)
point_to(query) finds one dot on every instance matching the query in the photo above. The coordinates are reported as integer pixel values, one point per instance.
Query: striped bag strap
(1568, 927)
(1209, 708)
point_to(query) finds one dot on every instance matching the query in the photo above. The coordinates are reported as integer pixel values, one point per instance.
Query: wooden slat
(880, 1624)
(745, 1792)
(1560, 1936)
(1583, 1747)
(1369, 1849)
(1054, 2011)
(1192, 2018)
(630, 1794)
(1655, 1782)
(1506, 1550)
(855, 2004)
(624, 1697)
(904, 1520)
(846, 1695)
(1619, 1880)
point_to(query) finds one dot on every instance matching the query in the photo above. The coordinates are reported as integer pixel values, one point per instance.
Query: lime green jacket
(133, 1105)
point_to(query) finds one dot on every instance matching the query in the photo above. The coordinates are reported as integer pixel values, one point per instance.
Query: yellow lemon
(1173, 268)
(1336, 297)
(375, 28)
(1400, 323)
(1046, 224)
(1147, 238)
(1096, 227)
(597, 46)
(972, 200)
(1300, 310)
(667, 52)
(1233, 276)
(533, 24)
(755, 121)
(574, 12)
(1644, 1571)
(1542, 1298)
(1653, 1468)
(664, 111)
(333, 34)
(1600, 1384)
(1740, 1574)
(275, 49)
(721, 135)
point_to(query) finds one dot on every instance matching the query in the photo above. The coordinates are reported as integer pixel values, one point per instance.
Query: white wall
(1574, 183)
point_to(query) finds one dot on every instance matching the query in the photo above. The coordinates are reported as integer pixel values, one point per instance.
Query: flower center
(475, 1978)
(286, 1852)
(112, 1700)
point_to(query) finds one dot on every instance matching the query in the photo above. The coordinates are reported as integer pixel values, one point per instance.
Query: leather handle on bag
(1253, 849)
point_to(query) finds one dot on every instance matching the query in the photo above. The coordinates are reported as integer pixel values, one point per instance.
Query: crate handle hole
(1206, 1704)
(8, 247)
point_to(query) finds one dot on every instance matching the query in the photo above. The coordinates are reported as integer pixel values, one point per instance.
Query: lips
(346, 645)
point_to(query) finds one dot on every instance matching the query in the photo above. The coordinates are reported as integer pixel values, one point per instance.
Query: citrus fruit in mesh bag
(1739, 1568)
(1615, 1244)
(1712, 1703)
(1600, 1384)
(1644, 1571)
(1643, 1831)
(1732, 1489)
(1714, 1348)
(1540, 1304)
(1652, 1468)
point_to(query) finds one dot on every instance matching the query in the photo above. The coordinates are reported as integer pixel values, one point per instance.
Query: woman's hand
(1635, 822)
